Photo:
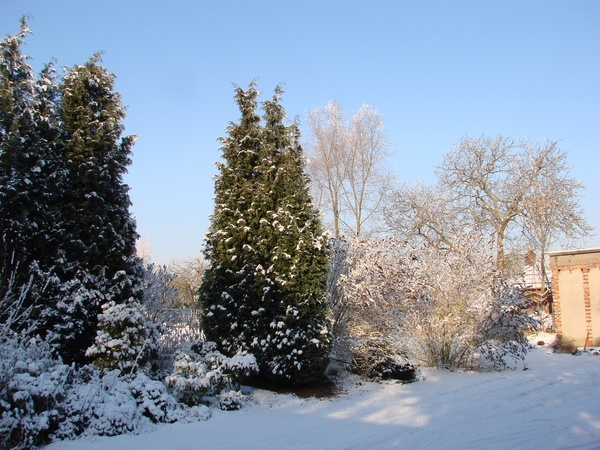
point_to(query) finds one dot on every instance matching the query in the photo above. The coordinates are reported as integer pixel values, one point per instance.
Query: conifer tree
(29, 176)
(16, 123)
(99, 230)
(264, 290)
(67, 239)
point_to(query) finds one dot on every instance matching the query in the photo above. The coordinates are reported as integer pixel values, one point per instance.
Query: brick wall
(576, 296)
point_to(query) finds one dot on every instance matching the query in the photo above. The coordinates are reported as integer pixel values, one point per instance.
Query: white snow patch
(553, 404)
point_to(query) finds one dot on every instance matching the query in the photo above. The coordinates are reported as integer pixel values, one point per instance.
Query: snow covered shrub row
(200, 370)
(109, 405)
(42, 399)
(445, 308)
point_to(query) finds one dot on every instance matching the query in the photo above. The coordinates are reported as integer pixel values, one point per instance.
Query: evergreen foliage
(67, 239)
(264, 289)
(30, 227)
(99, 230)
(96, 157)
(200, 370)
(126, 339)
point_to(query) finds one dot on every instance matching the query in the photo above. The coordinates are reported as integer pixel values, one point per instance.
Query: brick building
(576, 296)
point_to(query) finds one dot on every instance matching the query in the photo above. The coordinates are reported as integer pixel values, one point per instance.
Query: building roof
(575, 257)
(574, 252)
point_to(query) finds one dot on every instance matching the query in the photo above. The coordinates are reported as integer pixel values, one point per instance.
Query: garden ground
(554, 403)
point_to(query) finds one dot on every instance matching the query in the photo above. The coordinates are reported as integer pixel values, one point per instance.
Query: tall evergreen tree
(29, 176)
(264, 290)
(16, 123)
(100, 234)
(67, 239)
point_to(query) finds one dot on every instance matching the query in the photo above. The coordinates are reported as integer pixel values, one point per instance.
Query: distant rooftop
(575, 252)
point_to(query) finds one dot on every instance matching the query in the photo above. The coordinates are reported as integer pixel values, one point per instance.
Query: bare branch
(346, 159)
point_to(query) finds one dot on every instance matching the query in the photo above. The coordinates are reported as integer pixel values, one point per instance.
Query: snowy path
(554, 404)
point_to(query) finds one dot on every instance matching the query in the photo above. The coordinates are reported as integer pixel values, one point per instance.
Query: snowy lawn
(553, 404)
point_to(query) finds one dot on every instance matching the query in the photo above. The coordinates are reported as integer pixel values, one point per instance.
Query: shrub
(126, 339)
(32, 384)
(230, 400)
(42, 399)
(377, 359)
(446, 308)
(109, 405)
(200, 370)
(176, 324)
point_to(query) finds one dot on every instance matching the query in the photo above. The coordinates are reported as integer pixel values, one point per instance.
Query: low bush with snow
(110, 405)
(42, 399)
(378, 360)
(32, 386)
(231, 400)
(200, 370)
(126, 340)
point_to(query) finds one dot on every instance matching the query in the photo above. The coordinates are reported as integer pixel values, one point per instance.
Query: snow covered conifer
(126, 339)
(30, 181)
(100, 231)
(16, 123)
(264, 289)
(67, 239)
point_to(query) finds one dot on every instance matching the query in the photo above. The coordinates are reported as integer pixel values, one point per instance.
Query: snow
(555, 403)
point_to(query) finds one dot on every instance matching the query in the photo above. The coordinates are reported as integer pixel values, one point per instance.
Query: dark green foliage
(99, 244)
(264, 290)
(30, 177)
(67, 239)
(96, 159)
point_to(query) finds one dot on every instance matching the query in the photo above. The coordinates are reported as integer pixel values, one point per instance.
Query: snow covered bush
(200, 370)
(461, 314)
(32, 385)
(370, 291)
(502, 332)
(445, 308)
(109, 405)
(377, 359)
(159, 296)
(176, 325)
(230, 400)
(126, 339)
(238, 367)
(341, 310)
(192, 377)
(42, 399)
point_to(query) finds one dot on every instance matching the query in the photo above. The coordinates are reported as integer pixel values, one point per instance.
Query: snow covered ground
(555, 403)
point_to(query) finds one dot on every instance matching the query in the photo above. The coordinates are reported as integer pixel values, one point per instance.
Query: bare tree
(143, 250)
(367, 179)
(493, 185)
(188, 275)
(489, 179)
(346, 159)
(551, 208)
(326, 164)
(423, 213)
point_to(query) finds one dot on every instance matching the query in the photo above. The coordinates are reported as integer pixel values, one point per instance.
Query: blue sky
(436, 70)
